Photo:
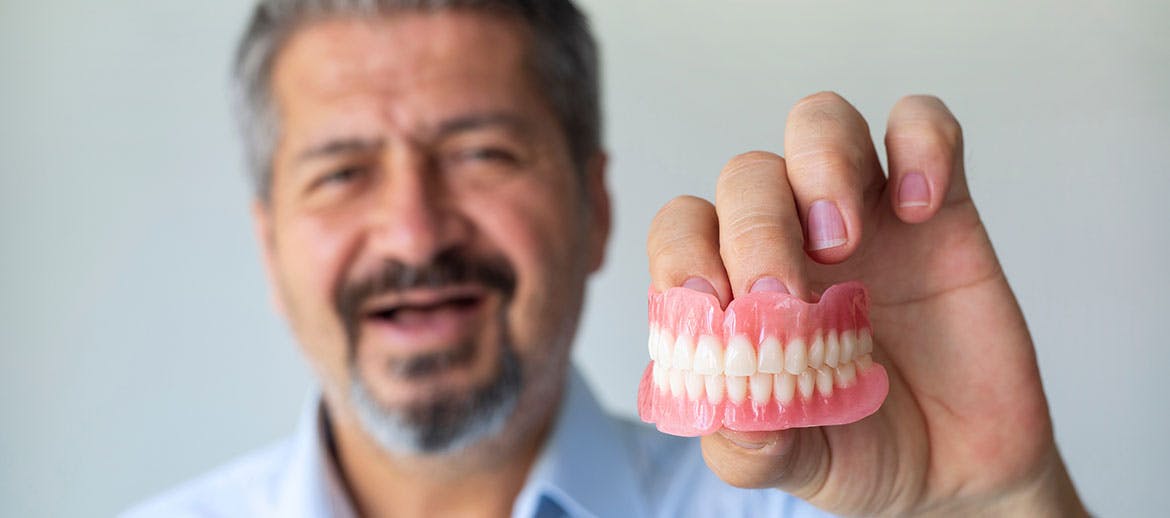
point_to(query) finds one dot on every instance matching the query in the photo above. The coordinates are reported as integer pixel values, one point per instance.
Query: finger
(793, 459)
(834, 172)
(924, 145)
(683, 247)
(760, 239)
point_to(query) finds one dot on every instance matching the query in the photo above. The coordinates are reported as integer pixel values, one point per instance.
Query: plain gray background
(139, 349)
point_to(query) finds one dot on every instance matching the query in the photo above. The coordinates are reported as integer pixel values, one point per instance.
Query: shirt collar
(584, 468)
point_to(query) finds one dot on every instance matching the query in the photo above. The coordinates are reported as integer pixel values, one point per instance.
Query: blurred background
(138, 348)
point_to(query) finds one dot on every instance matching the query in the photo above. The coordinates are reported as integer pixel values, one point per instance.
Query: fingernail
(699, 284)
(914, 191)
(826, 228)
(769, 284)
(743, 443)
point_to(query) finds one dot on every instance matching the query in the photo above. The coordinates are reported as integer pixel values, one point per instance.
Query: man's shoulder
(245, 486)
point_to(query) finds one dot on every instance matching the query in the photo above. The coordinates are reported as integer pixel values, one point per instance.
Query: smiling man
(430, 200)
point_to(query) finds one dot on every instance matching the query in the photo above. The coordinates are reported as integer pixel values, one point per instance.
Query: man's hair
(563, 58)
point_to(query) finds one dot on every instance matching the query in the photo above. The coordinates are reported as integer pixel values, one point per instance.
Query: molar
(771, 356)
(864, 342)
(846, 375)
(741, 357)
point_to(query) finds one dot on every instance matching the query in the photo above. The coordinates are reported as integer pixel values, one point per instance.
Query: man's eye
(340, 176)
(489, 154)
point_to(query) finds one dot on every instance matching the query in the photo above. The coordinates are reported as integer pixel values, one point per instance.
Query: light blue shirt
(592, 465)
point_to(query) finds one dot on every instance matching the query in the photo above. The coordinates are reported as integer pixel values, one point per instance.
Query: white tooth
(771, 356)
(694, 383)
(659, 375)
(848, 345)
(676, 383)
(740, 359)
(795, 356)
(805, 382)
(761, 387)
(684, 352)
(832, 348)
(846, 375)
(864, 342)
(714, 385)
(825, 382)
(816, 351)
(665, 348)
(709, 355)
(864, 362)
(784, 386)
(737, 389)
(652, 342)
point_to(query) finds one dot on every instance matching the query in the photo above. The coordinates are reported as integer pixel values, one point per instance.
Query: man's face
(427, 235)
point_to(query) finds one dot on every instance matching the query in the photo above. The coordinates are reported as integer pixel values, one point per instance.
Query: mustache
(449, 268)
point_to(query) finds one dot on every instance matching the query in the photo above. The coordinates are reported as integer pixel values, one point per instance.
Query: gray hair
(564, 60)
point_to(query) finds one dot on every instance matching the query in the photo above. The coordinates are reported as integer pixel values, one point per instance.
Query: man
(430, 199)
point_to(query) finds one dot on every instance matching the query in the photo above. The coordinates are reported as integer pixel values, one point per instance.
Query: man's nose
(416, 216)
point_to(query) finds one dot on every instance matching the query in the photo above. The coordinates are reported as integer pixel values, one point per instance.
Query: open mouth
(426, 318)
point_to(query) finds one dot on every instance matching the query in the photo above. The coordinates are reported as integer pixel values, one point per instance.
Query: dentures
(769, 362)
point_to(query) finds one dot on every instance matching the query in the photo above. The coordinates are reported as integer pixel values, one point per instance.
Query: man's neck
(483, 481)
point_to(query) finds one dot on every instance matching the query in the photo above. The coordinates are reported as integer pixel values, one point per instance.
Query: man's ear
(599, 210)
(262, 227)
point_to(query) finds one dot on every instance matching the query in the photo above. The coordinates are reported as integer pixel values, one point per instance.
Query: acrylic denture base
(769, 362)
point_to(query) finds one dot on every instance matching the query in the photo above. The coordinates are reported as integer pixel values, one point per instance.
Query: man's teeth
(705, 367)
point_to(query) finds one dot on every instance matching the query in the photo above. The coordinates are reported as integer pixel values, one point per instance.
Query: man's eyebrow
(476, 121)
(340, 146)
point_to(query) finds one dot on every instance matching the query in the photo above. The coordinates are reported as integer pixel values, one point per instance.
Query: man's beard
(446, 420)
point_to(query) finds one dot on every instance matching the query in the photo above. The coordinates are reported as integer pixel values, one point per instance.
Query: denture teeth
(684, 352)
(864, 342)
(714, 386)
(736, 389)
(846, 375)
(741, 357)
(709, 356)
(825, 382)
(784, 386)
(864, 362)
(694, 385)
(795, 356)
(848, 345)
(676, 383)
(816, 351)
(832, 348)
(760, 385)
(804, 383)
(771, 356)
(659, 375)
(665, 348)
(652, 343)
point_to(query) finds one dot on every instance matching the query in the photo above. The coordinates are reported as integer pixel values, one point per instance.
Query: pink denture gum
(769, 362)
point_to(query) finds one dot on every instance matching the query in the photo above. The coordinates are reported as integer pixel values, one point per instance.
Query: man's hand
(965, 427)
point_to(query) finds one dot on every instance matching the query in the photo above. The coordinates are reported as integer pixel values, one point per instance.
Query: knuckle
(749, 229)
(823, 161)
(748, 163)
(820, 101)
(678, 226)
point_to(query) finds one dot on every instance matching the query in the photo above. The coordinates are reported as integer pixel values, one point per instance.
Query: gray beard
(447, 422)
